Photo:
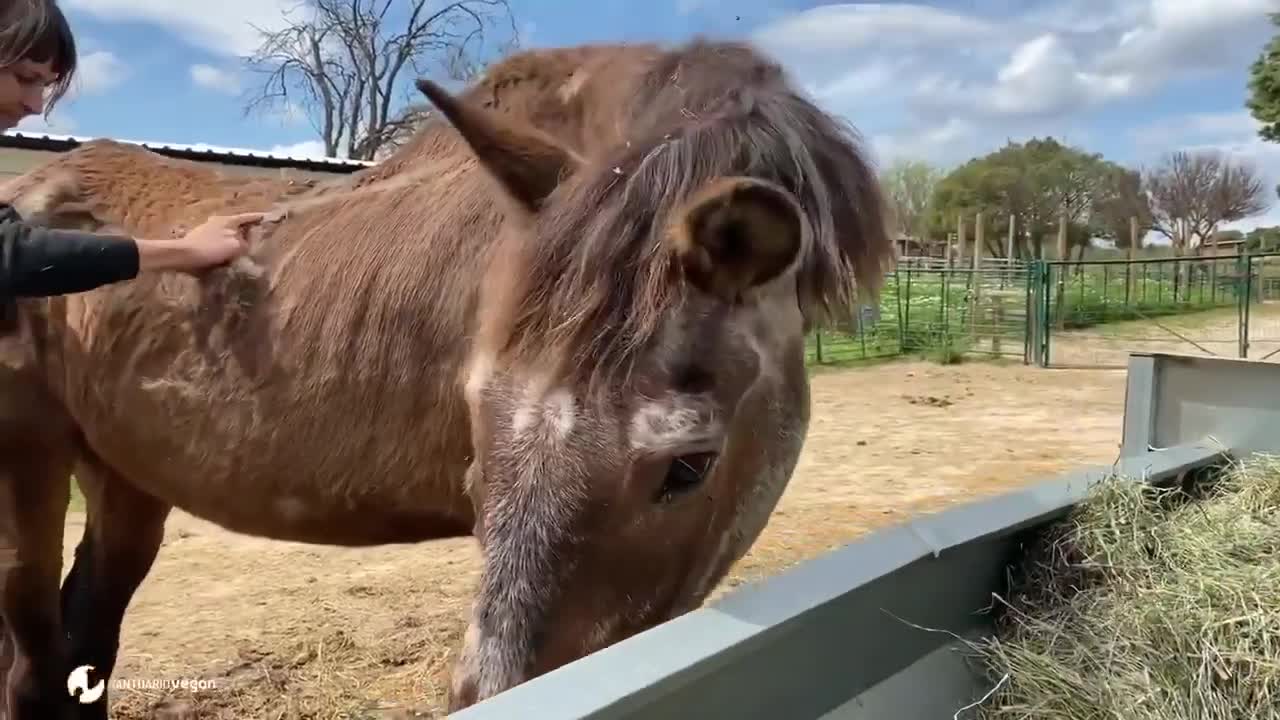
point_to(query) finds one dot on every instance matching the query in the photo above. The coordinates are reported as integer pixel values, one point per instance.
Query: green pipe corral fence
(1066, 313)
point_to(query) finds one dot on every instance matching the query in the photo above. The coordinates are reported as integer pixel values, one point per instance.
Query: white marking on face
(478, 376)
(523, 418)
(553, 412)
(680, 422)
(558, 412)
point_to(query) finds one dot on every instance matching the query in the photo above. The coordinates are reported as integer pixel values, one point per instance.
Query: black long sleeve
(36, 261)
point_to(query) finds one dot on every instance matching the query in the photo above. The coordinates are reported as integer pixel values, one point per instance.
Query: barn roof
(201, 151)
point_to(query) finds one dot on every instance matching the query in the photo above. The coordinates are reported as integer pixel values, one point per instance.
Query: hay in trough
(1148, 604)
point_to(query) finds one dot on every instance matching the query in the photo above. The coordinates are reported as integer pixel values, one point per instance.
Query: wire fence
(1065, 313)
(1094, 314)
(935, 312)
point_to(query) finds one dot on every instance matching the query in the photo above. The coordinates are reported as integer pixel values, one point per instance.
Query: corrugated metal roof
(201, 151)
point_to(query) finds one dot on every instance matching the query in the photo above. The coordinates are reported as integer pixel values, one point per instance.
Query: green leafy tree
(1035, 183)
(1264, 87)
(1263, 239)
(1119, 200)
(910, 186)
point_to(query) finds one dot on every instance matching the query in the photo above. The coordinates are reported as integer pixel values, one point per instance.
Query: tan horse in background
(571, 325)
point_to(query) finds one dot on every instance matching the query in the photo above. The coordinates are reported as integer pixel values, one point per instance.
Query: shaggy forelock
(597, 276)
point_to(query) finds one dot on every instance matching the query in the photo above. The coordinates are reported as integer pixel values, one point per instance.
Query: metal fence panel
(936, 312)
(1093, 314)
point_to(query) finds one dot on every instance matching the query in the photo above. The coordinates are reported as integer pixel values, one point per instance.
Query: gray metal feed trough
(835, 637)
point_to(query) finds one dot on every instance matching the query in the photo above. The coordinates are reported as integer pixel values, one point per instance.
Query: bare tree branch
(347, 63)
(1192, 194)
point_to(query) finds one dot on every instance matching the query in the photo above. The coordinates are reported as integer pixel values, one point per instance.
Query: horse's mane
(536, 86)
(595, 280)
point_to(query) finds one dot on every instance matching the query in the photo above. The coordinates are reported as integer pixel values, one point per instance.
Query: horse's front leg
(122, 536)
(35, 470)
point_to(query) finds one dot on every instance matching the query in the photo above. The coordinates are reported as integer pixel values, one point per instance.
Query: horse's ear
(736, 233)
(527, 162)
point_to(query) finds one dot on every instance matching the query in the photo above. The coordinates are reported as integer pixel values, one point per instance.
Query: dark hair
(37, 30)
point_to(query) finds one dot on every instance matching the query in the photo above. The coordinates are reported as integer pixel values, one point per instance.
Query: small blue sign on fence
(868, 316)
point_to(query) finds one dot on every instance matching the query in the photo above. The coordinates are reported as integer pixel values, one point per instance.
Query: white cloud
(943, 84)
(1196, 128)
(224, 28)
(876, 76)
(56, 124)
(1043, 76)
(99, 71)
(829, 28)
(306, 149)
(1177, 36)
(953, 139)
(217, 79)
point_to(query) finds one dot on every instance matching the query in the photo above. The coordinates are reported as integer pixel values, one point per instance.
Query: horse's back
(281, 377)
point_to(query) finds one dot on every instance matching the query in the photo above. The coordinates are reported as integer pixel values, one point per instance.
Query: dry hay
(1148, 603)
(332, 670)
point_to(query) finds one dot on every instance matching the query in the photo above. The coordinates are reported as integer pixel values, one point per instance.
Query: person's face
(22, 87)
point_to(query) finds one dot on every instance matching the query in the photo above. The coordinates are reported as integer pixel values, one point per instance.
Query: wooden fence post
(1134, 240)
(979, 236)
(1062, 269)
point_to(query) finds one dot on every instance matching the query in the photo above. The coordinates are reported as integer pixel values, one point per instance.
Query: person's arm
(36, 261)
(155, 255)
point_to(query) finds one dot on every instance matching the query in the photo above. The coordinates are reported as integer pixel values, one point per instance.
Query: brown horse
(574, 330)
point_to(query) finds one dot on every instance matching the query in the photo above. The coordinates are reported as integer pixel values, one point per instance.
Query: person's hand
(216, 241)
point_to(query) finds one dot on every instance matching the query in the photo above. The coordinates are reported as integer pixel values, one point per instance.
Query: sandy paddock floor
(295, 631)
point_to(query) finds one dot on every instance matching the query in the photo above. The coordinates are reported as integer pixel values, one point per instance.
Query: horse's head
(637, 387)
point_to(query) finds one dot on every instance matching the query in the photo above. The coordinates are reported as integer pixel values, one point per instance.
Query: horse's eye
(685, 473)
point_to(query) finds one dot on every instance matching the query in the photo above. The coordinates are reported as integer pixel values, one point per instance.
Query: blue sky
(939, 81)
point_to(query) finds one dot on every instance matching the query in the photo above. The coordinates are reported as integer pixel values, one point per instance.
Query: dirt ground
(287, 631)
